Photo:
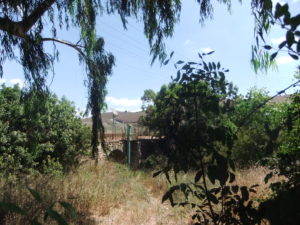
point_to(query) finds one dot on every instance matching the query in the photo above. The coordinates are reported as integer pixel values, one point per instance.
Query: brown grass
(111, 194)
(256, 175)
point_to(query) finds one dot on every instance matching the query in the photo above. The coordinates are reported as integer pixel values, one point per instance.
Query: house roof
(122, 117)
(281, 99)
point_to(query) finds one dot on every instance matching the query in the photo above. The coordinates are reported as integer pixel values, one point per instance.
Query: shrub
(39, 132)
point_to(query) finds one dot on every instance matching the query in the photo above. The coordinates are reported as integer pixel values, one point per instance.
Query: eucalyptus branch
(20, 28)
(36, 14)
(75, 46)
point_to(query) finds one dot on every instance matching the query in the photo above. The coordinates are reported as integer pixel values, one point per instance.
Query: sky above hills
(229, 34)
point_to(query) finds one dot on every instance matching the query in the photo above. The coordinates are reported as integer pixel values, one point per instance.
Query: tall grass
(110, 194)
(91, 190)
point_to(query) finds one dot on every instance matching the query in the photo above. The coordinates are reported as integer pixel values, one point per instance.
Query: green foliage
(287, 160)
(147, 98)
(39, 132)
(266, 16)
(100, 66)
(259, 132)
(191, 113)
(49, 211)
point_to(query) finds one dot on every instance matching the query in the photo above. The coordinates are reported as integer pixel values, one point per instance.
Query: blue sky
(229, 34)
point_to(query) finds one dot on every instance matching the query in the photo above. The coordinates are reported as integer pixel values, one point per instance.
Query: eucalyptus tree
(22, 26)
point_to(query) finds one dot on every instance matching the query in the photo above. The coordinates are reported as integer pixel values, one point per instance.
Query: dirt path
(148, 212)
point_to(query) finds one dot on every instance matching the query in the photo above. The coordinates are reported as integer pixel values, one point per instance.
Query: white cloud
(123, 104)
(277, 40)
(17, 81)
(2, 81)
(284, 60)
(206, 50)
(187, 42)
(294, 1)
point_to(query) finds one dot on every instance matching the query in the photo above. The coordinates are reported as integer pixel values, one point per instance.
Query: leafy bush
(259, 133)
(39, 132)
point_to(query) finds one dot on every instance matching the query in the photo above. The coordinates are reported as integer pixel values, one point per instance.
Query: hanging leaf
(56, 216)
(273, 56)
(171, 55)
(232, 177)
(294, 56)
(282, 44)
(166, 62)
(35, 194)
(69, 208)
(198, 176)
(235, 188)
(245, 193)
(212, 198)
(268, 47)
(290, 38)
(10, 207)
(179, 62)
(157, 173)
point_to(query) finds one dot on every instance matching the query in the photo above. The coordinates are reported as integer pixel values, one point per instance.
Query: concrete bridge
(141, 148)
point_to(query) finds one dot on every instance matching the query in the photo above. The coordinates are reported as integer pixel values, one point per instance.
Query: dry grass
(108, 192)
(256, 175)
(111, 194)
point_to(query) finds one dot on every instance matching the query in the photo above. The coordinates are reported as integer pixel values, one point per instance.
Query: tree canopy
(39, 132)
(23, 24)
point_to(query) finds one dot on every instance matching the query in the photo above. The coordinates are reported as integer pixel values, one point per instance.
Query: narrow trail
(148, 212)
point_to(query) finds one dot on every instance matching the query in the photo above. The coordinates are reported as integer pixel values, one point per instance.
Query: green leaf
(290, 38)
(254, 186)
(278, 11)
(231, 164)
(69, 208)
(268, 177)
(198, 176)
(10, 207)
(211, 173)
(166, 62)
(212, 198)
(232, 177)
(294, 56)
(56, 216)
(157, 173)
(35, 194)
(268, 47)
(235, 188)
(272, 57)
(171, 55)
(179, 62)
(245, 193)
(166, 196)
(282, 44)
(178, 76)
